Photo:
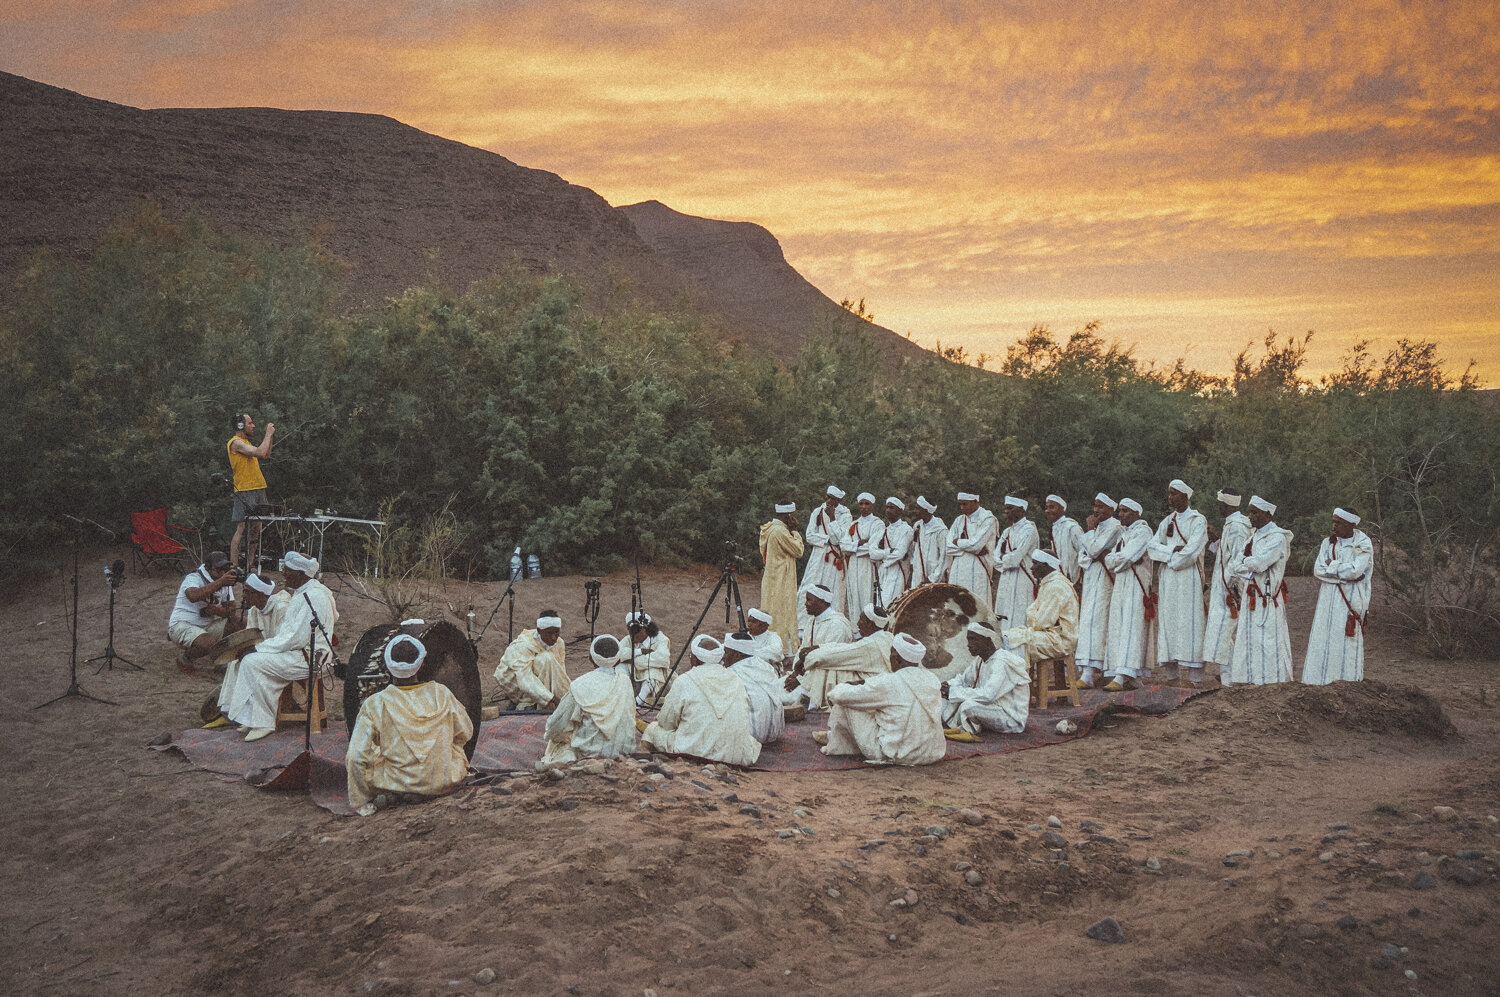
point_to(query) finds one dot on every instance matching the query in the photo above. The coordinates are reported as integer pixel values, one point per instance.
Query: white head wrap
(1256, 502)
(604, 660)
(893, 500)
(909, 648)
(821, 592)
(1059, 500)
(1131, 504)
(760, 614)
(1019, 503)
(865, 497)
(548, 622)
(300, 562)
(968, 497)
(1347, 516)
(984, 630)
(404, 669)
(1042, 557)
(1101, 497)
(415, 621)
(1177, 484)
(707, 650)
(745, 646)
(922, 501)
(260, 584)
(879, 617)
(782, 508)
(1229, 500)
(836, 491)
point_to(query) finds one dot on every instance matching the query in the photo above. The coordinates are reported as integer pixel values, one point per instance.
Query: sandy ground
(128, 872)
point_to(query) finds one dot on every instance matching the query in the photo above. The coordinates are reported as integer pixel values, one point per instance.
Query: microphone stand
(731, 598)
(74, 689)
(109, 657)
(510, 627)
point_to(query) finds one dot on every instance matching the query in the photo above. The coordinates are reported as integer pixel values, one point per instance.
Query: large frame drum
(938, 615)
(451, 660)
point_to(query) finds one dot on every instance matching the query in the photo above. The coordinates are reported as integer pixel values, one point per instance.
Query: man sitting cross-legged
(706, 713)
(891, 719)
(531, 673)
(993, 693)
(821, 668)
(762, 686)
(596, 717)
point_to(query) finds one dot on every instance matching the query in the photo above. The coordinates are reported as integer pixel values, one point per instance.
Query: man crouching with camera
(205, 608)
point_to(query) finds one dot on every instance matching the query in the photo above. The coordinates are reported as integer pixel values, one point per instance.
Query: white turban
(893, 500)
(922, 501)
(1177, 484)
(968, 497)
(266, 588)
(1229, 499)
(1059, 500)
(548, 622)
(1131, 504)
(404, 669)
(760, 614)
(1019, 503)
(879, 617)
(1101, 497)
(835, 491)
(636, 616)
(300, 562)
(984, 630)
(707, 650)
(821, 592)
(744, 645)
(782, 508)
(1256, 502)
(1042, 557)
(909, 648)
(1347, 516)
(865, 497)
(600, 659)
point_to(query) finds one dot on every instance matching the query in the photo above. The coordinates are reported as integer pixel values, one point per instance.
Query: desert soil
(129, 872)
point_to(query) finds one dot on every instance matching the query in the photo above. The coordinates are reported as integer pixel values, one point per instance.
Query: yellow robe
(408, 739)
(1051, 629)
(779, 549)
(595, 719)
(530, 673)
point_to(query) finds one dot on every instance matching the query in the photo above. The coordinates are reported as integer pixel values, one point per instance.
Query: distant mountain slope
(402, 207)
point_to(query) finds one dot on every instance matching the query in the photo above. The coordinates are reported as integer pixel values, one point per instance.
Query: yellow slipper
(1083, 684)
(962, 736)
(219, 721)
(820, 737)
(640, 726)
(1114, 687)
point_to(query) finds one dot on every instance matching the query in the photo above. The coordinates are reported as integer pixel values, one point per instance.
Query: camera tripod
(730, 585)
(116, 575)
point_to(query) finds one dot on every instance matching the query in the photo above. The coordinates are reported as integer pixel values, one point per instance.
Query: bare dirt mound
(1368, 707)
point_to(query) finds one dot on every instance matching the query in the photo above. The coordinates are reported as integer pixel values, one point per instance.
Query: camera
(732, 557)
(114, 574)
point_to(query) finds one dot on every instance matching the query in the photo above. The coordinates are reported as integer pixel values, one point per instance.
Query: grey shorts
(245, 501)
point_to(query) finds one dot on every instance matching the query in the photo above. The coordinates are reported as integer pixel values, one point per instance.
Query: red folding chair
(153, 543)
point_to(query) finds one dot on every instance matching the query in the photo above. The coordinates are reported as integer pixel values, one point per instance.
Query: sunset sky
(1190, 174)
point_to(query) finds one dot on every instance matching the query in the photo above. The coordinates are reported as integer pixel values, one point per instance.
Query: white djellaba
(1129, 630)
(971, 549)
(1218, 633)
(827, 537)
(1098, 587)
(1343, 569)
(1262, 643)
(1016, 586)
(1177, 547)
(895, 718)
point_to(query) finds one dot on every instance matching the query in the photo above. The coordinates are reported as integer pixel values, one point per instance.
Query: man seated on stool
(706, 713)
(531, 672)
(265, 608)
(825, 666)
(893, 718)
(1051, 630)
(993, 693)
(410, 736)
(596, 716)
(281, 659)
(205, 605)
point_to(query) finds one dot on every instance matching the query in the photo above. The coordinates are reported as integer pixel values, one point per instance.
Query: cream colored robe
(832, 664)
(770, 647)
(889, 556)
(971, 552)
(1015, 588)
(530, 673)
(859, 573)
(826, 535)
(279, 660)
(1219, 627)
(994, 693)
(1180, 614)
(1262, 643)
(1051, 629)
(408, 739)
(1331, 655)
(707, 715)
(779, 550)
(763, 692)
(893, 718)
(595, 719)
(1129, 632)
(929, 551)
(652, 664)
(1098, 588)
(832, 627)
(1067, 542)
(267, 621)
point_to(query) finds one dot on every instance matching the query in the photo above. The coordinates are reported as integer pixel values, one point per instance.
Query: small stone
(703, 786)
(1423, 858)
(648, 787)
(890, 938)
(1231, 861)
(656, 777)
(381, 801)
(484, 977)
(1007, 834)
(973, 878)
(912, 897)
(1348, 922)
(1390, 951)
(1107, 930)
(165, 737)
(1325, 857)
(1470, 855)
(710, 805)
(594, 766)
(938, 831)
(919, 850)
(750, 810)
(644, 805)
(1033, 827)
(973, 817)
(649, 993)
(1340, 826)
(1272, 853)
(928, 840)
(556, 775)
(1053, 822)
(1424, 880)
(729, 797)
(1411, 974)
(898, 902)
(833, 893)
(806, 830)
(961, 867)
(1309, 931)
(567, 803)
(802, 812)
(1053, 840)
(872, 844)
(1443, 813)
(1089, 825)
(1242, 853)
(1153, 864)
(786, 832)
(1467, 875)
(1189, 825)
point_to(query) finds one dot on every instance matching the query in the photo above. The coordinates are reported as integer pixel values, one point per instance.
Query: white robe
(859, 574)
(834, 664)
(929, 551)
(1262, 642)
(1067, 541)
(267, 621)
(894, 718)
(530, 673)
(595, 719)
(1129, 633)
(652, 664)
(280, 659)
(769, 646)
(1017, 585)
(1345, 566)
(971, 552)
(889, 556)
(1098, 587)
(1051, 628)
(825, 537)
(1179, 587)
(707, 715)
(829, 627)
(1219, 627)
(763, 694)
(407, 740)
(995, 693)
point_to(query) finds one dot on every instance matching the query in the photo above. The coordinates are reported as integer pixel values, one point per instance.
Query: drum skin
(938, 614)
(451, 660)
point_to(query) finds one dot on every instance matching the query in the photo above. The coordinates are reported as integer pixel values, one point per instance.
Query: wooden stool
(1044, 678)
(292, 713)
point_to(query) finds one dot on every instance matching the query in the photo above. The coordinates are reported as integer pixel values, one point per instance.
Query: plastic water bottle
(533, 566)
(515, 566)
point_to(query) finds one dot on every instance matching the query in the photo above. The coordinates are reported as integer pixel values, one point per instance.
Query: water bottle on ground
(515, 566)
(533, 566)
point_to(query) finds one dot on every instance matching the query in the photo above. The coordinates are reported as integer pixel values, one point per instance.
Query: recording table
(318, 526)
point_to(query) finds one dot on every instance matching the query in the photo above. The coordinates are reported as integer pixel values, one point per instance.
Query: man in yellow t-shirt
(249, 483)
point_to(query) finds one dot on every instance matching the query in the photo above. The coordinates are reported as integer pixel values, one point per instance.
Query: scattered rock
(786, 832)
(961, 867)
(556, 775)
(1053, 822)
(973, 817)
(833, 893)
(1325, 857)
(1189, 825)
(1090, 825)
(1066, 727)
(890, 938)
(1411, 974)
(872, 844)
(919, 850)
(898, 902)
(1033, 827)
(1348, 922)
(802, 812)
(730, 797)
(750, 810)
(1470, 855)
(656, 768)
(1231, 861)
(1444, 813)
(1310, 931)
(1241, 853)
(973, 878)
(656, 777)
(1389, 951)
(485, 976)
(912, 897)
(806, 830)
(1007, 834)
(1424, 880)
(1153, 864)
(710, 805)
(1423, 858)
(567, 803)
(165, 737)
(1340, 826)
(594, 766)
(1107, 930)
(649, 993)
(1053, 840)
(938, 831)
(644, 805)
(648, 787)
(701, 785)
(1467, 875)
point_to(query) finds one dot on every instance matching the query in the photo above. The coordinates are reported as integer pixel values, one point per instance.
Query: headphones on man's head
(238, 419)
